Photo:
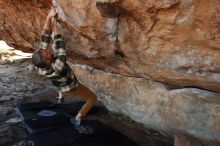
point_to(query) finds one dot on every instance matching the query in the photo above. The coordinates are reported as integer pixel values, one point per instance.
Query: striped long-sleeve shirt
(60, 73)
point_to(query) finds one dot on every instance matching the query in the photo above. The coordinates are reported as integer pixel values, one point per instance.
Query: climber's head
(42, 58)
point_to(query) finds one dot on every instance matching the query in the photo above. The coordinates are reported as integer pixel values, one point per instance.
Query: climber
(54, 66)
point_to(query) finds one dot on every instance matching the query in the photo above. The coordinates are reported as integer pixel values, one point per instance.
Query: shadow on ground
(19, 83)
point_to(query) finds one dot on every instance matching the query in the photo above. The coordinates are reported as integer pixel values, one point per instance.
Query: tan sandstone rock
(171, 41)
(187, 111)
(175, 42)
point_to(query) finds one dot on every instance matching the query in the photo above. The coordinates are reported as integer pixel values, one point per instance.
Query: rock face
(21, 22)
(171, 41)
(157, 46)
(188, 111)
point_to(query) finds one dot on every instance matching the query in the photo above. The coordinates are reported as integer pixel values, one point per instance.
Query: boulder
(189, 111)
(159, 60)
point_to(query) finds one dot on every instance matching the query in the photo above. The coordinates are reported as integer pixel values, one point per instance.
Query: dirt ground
(19, 82)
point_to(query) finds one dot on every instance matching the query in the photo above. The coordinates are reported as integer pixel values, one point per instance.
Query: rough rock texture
(188, 111)
(173, 42)
(21, 22)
